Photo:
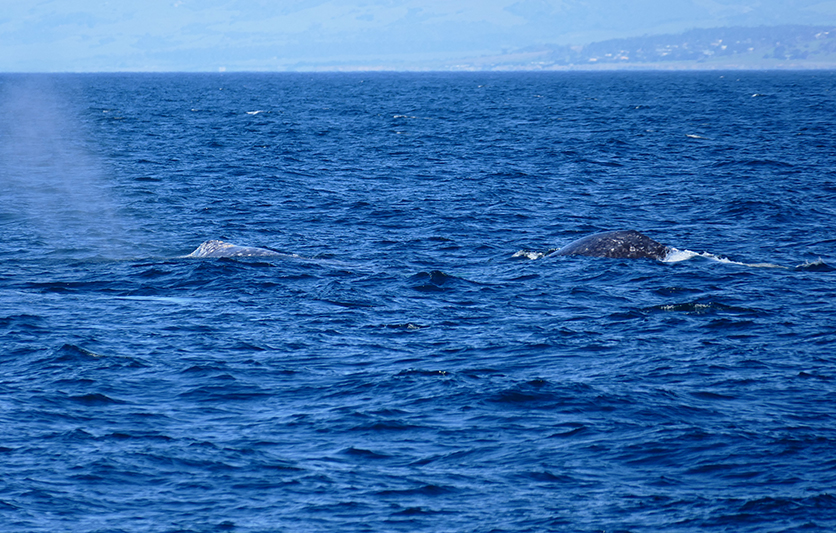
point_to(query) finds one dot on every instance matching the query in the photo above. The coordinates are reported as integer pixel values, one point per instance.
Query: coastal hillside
(731, 47)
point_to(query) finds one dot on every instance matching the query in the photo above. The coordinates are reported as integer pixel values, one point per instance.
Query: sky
(280, 35)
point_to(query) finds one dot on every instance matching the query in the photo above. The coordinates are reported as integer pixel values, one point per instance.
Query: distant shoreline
(744, 48)
(649, 67)
(790, 47)
(509, 70)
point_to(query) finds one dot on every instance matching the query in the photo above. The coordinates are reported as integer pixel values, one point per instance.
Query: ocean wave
(815, 266)
(676, 256)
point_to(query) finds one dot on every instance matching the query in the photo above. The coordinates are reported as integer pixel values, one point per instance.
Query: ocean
(415, 356)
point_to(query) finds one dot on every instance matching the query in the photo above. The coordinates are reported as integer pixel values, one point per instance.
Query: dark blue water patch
(93, 399)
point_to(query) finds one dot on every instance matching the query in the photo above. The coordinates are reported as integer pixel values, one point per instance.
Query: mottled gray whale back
(617, 244)
(224, 249)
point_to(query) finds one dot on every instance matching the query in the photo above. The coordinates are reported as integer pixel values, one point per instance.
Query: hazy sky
(209, 35)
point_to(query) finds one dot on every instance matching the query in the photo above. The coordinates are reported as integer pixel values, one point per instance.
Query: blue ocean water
(417, 358)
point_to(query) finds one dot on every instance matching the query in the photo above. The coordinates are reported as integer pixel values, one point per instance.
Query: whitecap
(530, 255)
(675, 256)
(817, 265)
(692, 307)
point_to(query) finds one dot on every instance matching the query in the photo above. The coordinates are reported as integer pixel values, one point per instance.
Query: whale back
(628, 244)
(215, 248)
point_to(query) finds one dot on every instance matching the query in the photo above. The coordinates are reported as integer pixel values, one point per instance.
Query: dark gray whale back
(617, 244)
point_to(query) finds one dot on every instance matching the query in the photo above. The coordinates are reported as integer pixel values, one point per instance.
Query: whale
(629, 244)
(215, 248)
